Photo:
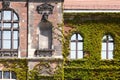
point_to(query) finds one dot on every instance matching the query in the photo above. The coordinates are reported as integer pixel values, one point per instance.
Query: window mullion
(76, 46)
(107, 48)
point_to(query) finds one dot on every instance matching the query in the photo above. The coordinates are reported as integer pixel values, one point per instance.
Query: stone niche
(41, 37)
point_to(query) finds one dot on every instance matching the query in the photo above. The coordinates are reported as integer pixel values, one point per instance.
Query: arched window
(76, 46)
(9, 32)
(107, 47)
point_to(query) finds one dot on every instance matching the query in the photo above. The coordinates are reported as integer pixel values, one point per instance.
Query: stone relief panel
(47, 68)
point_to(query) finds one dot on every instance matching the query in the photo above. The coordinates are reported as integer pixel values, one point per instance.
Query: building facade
(59, 40)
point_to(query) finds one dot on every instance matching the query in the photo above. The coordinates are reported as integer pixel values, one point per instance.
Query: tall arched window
(76, 46)
(107, 47)
(9, 32)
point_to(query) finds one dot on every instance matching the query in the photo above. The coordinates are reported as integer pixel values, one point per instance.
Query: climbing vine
(92, 26)
(19, 66)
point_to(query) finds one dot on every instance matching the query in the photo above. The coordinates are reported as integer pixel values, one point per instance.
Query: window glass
(73, 46)
(80, 46)
(0, 74)
(15, 44)
(6, 44)
(104, 39)
(80, 54)
(73, 37)
(13, 75)
(111, 46)
(6, 34)
(6, 75)
(15, 17)
(110, 56)
(6, 15)
(103, 46)
(7, 25)
(110, 38)
(15, 25)
(79, 37)
(15, 35)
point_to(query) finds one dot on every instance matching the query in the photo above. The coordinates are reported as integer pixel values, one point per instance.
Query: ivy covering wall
(19, 66)
(92, 26)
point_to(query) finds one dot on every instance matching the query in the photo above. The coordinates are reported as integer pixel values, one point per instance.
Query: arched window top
(8, 15)
(108, 38)
(76, 36)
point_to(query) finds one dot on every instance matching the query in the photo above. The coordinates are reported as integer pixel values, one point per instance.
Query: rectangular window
(6, 39)
(6, 75)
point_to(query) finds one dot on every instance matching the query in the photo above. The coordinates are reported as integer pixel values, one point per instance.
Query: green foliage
(92, 26)
(35, 74)
(19, 66)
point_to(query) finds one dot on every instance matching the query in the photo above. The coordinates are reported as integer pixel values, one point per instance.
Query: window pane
(15, 17)
(7, 25)
(6, 44)
(110, 38)
(15, 35)
(73, 37)
(6, 34)
(73, 46)
(104, 39)
(6, 15)
(15, 25)
(80, 46)
(110, 46)
(0, 74)
(73, 55)
(103, 46)
(110, 55)
(103, 55)
(13, 75)
(15, 44)
(79, 37)
(80, 54)
(6, 75)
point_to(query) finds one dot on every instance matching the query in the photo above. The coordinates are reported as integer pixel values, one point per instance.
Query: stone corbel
(5, 4)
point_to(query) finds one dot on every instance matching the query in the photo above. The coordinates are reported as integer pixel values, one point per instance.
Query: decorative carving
(45, 68)
(45, 9)
(5, 4)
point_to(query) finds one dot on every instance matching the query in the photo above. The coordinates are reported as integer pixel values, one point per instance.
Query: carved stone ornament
(45, 9)
(5, 4)
(45, 68)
